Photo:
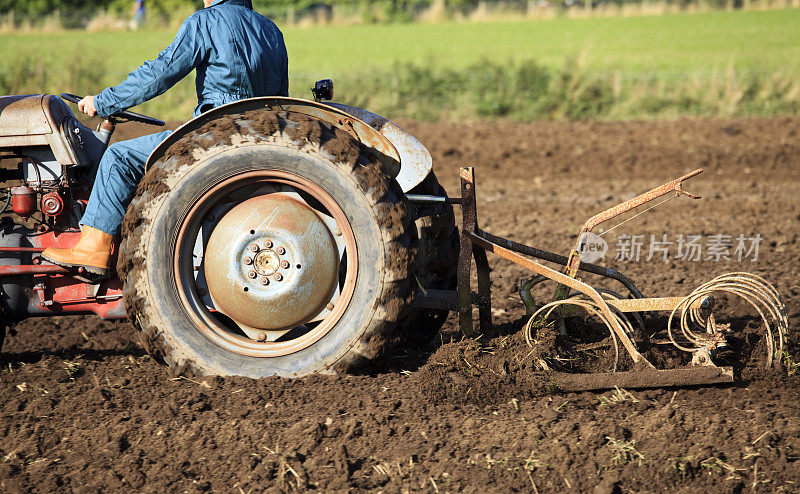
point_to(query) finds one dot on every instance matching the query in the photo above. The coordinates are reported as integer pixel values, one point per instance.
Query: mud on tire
(350, 173)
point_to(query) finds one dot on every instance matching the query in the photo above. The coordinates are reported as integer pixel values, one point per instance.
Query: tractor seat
(34, 114)
(36, 120)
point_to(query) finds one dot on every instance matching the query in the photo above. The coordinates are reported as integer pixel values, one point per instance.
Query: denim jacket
(238, 54)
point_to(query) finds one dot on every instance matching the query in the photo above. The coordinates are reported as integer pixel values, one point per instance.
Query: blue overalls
(237, 53)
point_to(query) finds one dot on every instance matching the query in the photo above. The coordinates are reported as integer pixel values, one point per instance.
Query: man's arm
(155, 76)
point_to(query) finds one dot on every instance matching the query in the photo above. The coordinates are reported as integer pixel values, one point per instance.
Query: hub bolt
(281, 251)
(268, 243)
(265, 281)
(262, 337)
(252, 275)
(278, 277)
(285, 264)
(248, 261)
(329, 306)
(254, 248)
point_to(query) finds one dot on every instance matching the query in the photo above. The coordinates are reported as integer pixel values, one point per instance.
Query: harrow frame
(475, 243)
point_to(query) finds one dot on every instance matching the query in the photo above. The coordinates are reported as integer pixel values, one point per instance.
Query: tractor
(280, 236)
(271, 236)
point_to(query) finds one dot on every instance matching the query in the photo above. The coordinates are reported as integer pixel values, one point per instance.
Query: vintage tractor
(269, 237)
(280, 236)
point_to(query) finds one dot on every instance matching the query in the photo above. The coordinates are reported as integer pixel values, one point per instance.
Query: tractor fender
(415, 160)
(376, 132)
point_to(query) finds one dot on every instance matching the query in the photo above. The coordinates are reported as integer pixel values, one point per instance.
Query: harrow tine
(593, 308)
(753, 289)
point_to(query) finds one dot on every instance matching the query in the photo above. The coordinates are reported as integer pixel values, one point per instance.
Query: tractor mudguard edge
(370, 129)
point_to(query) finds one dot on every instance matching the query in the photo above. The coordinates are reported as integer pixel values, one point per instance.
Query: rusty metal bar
(562, 260)
(574, 260)
(89, 300)
(644, 378)
(32, 269)
(657, 304)
(469, 217)
(21, 249)
(464, 290)
(673, 186)
(484, 288)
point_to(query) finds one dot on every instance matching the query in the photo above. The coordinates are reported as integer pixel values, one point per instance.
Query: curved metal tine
(771, 292)
(756, 291)
(759, 296)
(587, 305)
(564, 280)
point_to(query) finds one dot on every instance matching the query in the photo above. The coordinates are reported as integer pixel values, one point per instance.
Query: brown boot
(92, 253)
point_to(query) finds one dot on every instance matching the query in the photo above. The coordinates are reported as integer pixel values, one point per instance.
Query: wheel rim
(271, 263)
(198, 227)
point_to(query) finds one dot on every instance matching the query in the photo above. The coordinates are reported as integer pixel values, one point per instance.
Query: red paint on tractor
(56, 291)
(66, 295)
(23, 200)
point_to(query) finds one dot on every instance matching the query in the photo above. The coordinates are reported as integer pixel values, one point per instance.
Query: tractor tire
(226, 164)
(437, 258)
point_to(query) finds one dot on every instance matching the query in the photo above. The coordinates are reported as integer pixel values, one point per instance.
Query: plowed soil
(85, 409)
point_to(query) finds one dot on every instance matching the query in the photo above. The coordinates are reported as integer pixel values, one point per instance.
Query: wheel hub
(267, 262)
(271, 263)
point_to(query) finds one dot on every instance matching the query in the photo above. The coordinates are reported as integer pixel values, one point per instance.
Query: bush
(523, 90)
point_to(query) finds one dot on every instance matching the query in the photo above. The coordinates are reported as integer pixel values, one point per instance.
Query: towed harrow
(691, 325)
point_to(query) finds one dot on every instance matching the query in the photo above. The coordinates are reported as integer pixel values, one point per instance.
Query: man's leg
(120, 171)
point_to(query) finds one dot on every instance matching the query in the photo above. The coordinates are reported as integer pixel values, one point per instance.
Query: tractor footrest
(645, 378)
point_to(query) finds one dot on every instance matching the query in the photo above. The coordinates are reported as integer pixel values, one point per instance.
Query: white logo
(591, 247)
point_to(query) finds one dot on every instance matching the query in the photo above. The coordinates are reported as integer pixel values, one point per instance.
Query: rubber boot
(92, 253)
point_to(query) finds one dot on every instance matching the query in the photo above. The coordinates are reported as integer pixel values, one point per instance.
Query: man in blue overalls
(237, 53)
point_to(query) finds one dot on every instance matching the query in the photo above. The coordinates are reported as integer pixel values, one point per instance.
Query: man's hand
(86, 105)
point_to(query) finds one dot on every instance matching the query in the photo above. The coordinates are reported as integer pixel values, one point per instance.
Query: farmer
(237, 53)
(138, 14)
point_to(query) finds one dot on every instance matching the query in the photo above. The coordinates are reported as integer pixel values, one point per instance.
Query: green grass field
(657, 50)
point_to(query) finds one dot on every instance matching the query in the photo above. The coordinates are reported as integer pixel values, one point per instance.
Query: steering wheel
(125, 115)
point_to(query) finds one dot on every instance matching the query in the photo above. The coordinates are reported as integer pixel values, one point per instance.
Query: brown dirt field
(85, 409)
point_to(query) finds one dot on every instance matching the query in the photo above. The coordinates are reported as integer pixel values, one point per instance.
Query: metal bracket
(43, 302)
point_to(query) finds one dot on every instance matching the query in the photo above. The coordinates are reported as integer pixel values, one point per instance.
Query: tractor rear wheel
(268, 243)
